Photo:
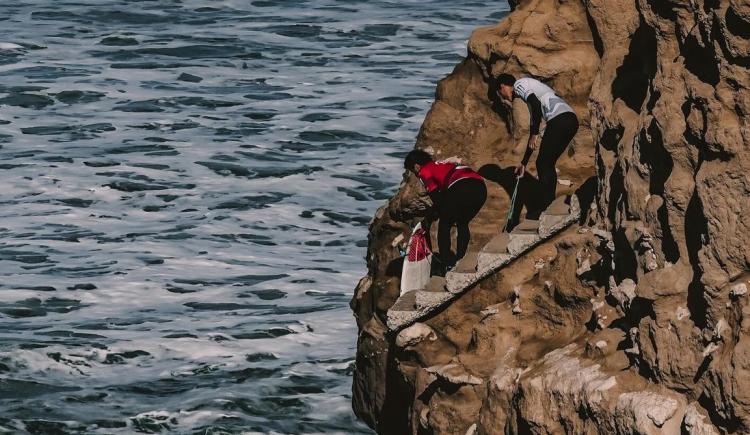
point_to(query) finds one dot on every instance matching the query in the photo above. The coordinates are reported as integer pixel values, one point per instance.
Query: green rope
(512, 205)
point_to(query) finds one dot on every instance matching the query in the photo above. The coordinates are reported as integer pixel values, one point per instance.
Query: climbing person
(561, 125)
(457, 193)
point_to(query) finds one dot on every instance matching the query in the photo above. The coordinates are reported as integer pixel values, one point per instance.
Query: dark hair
(505, 79)
(416, 157)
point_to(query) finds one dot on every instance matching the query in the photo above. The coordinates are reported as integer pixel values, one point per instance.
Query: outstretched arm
(535, 114)
(535, 107)
(432, 214)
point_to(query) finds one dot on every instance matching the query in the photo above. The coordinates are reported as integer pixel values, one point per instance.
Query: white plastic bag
(418, 261)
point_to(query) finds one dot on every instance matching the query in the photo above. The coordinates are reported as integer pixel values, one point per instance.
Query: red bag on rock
(416, 271)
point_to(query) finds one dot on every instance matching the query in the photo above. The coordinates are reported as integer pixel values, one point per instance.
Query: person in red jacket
(457, 193)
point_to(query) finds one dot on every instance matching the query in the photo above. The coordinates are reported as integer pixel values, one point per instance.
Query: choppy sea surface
(185, 192)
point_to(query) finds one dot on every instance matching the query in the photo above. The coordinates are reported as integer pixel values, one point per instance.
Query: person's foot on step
(438, 268)
(440, 265)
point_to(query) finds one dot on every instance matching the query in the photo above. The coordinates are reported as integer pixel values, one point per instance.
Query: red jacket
(442, 175)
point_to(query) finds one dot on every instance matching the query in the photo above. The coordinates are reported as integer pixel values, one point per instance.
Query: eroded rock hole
(737, 25)
(586, 196)
(394, 416)
(638, 68)
(611, 137)
(729, 54)
(652, 99)
(700, 60)
(696, 234)
(709, 5)
(616, 193)
(522, 425)
(668, 244)
(598, 44)
(656, 157)
(707, 151)
(663, 8)
(730, 423)
(626, 261)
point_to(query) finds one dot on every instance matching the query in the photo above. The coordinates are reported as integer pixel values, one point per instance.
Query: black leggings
(558, 134)
(460, 204)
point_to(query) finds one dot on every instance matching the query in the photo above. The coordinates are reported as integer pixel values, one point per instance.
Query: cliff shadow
(527, 196)
(394, 415)
(394, 267)
(586, 196)
(634, 76)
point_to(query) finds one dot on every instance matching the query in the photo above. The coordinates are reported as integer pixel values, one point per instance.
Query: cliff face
(670, 116)
(633, 321)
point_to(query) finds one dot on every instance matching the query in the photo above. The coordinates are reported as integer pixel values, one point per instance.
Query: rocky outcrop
(635, 320)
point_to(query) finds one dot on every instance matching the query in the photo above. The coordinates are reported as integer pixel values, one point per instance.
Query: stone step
(406, 302)
(428, 300)
(498, 245)
(553, 219)
(550, 224)
(404, 311)
(521, 242)
(487, 261)
(500, 251)
(559, 207)
(413, 305)
(527, 226)
(398, 319)
(495, 253)
(436, 284)
(456, 282)
(468, 264)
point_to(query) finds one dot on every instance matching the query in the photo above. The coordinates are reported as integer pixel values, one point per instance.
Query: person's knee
(444, 223)
(546, 176)
(444, 229)
(544, 163)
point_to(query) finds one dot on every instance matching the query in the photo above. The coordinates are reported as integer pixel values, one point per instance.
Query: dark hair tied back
(505, 79)
(416, 157)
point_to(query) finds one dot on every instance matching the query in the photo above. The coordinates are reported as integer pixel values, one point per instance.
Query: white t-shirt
(552, 104)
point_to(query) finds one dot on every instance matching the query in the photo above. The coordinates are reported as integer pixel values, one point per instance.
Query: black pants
(558, 134)
(459, 205)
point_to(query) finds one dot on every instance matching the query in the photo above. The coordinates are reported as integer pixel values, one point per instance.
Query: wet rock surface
(630, 320)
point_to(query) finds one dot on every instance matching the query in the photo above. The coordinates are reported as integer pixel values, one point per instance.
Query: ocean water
(186, 188)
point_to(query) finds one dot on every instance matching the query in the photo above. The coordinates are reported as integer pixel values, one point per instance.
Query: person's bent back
(562, 124)
(457, 193)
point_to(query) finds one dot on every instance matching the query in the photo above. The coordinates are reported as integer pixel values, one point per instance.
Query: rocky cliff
(632, 321)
